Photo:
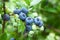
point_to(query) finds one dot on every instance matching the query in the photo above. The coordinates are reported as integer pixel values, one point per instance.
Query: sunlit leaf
(34, 2)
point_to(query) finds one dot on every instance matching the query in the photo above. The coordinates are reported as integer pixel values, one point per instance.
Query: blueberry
(17, 11)
(24, 10)
(41, 24)
(22, 16)
(36, 21)
(6, 17)
(12, 39)
(29, 20)
(28, 28)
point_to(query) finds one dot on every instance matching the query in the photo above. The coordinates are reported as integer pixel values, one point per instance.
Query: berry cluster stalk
(3, 25)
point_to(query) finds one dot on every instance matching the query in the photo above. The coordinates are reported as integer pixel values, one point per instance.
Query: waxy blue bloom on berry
(28, 28)
(29, 20)
(17, 11)
(24, 10)
(36, 21)
(6, 17)
(41, 24)
(22, 16)
(12, 39)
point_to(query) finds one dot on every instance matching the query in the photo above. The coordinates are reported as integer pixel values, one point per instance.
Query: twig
(53, 29)
(3, 25)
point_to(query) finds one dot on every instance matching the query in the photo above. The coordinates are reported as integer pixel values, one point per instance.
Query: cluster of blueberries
(28, 20)
(24, 17)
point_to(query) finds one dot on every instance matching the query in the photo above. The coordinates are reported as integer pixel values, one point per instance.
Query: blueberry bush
(29, 20)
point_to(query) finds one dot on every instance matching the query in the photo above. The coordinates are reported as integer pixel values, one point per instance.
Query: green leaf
(58, 8)
(52, 10)
(3, 36)
(27, 1)
(21, 27)
(34, 2)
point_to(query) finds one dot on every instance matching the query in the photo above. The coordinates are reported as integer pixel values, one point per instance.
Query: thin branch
(4, 7)
(53, 29)
(3, 25)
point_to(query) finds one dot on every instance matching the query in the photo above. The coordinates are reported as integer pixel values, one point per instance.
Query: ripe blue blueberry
(28, 28)
(41, 24)
(17, 11)
(29, 20)
(22, 16)
(38, 22)
(12, 39)
(24, 10)
(6, 17)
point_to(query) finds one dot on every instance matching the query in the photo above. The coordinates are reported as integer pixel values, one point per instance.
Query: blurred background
(47, 10)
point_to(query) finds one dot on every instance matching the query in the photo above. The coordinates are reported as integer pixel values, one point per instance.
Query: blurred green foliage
(47, 10)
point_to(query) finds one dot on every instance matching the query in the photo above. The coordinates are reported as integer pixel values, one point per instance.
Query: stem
(17, 33)
(3, 25)
(52, 28)
(4, 7)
